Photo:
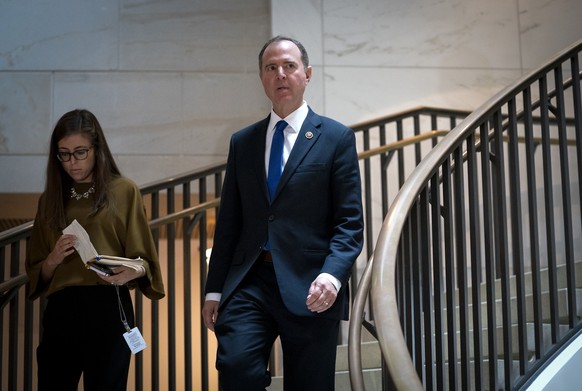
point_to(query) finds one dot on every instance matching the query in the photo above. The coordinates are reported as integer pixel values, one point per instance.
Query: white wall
(171, 80)
(168, 80)
(378, 57)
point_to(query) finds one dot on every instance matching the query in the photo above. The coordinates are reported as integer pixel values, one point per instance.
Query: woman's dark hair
(58, 182)
(279, 38)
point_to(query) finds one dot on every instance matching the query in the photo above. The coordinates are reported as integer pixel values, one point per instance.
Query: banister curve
(382, 282)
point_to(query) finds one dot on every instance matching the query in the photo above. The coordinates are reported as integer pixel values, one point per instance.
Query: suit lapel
(258, 154)
(308, 135)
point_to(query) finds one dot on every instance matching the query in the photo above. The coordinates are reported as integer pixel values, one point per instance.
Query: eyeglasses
(79, 154)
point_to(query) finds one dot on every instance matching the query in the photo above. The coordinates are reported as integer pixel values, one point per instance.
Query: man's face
(284, 77)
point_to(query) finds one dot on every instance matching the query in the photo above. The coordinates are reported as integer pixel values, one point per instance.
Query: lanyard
(121, 311)
(133, 337)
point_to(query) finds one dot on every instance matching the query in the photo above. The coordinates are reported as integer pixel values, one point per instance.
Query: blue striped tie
(276, 158)
(275, 164)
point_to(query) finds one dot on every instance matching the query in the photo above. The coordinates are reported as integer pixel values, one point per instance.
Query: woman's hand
(122, 275)
(63, 248)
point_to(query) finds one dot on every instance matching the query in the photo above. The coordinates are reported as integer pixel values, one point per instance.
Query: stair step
(545, 304)
(373, 377)
(371, 363)
(371, 355)
(370, 352)
(372, 381)
(530, 339)
(484, 375)
(561, 278)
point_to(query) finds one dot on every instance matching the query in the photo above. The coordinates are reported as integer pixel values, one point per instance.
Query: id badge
(135, 340)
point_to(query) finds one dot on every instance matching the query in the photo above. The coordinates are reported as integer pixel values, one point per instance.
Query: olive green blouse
(120, 229)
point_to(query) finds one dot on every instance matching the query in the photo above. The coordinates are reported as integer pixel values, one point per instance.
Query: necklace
(78, 196)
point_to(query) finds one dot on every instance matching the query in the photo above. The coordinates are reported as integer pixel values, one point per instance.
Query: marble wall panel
(219, 36)
(25, 114)
(58, 35)
(171, 80)
(546, 27)
(139, 112)
(22, 173)
(147, 169)
(302, 20)
(26, 174)
(155, 116)
(421, 33)
(358, 94)
(217, 105)
(315, 91)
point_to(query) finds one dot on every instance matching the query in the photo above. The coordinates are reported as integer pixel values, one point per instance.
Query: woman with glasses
(87, 313)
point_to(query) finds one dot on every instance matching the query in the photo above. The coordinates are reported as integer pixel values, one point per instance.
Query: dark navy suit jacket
(314, 222)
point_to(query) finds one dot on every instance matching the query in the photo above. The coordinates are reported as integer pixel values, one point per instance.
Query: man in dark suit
(280, 262)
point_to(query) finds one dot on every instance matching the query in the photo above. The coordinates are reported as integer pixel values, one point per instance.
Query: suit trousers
(248, 325)
(83, 333)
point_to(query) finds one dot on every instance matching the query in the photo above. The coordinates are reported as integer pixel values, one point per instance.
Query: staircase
(371, 363)
(371, 356)
(546, 327)
(472, 203)
(493, 201)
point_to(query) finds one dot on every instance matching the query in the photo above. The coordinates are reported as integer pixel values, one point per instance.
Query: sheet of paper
(83, 244)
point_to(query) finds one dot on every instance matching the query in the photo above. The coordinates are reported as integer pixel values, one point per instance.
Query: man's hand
(322, 295)
(210, 313)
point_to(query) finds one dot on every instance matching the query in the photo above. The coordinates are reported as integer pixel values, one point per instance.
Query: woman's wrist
(47, 269)
(50, 263)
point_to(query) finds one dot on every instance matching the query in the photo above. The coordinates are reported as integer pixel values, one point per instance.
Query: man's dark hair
(279, 38)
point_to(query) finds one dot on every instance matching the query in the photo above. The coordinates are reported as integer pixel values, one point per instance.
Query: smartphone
(101, 269)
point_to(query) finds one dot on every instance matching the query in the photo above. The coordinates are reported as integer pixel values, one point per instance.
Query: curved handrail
(408, 114)
(13, 282)
(191, 211)
(9, 287)
(22, 229)
(383, 294)
(216, 169)
(16, 232)
(402, 143)
(355, 329)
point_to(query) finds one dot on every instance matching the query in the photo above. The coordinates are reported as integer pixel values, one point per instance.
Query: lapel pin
(308, 135)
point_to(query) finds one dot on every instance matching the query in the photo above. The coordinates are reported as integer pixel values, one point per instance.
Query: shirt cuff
(332, 279)
(336, 283)
(213, 296)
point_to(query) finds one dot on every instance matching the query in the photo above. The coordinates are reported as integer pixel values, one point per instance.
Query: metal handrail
(22, 279)
(23, 229)
(401, 143)
(164, 225)
(16, 233)
(383, 294)
(13, 282)
(188, 212)
(158, 222)
(355, 327)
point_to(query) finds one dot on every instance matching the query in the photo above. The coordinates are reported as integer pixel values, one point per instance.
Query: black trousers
(248, 325)
(83, 333)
